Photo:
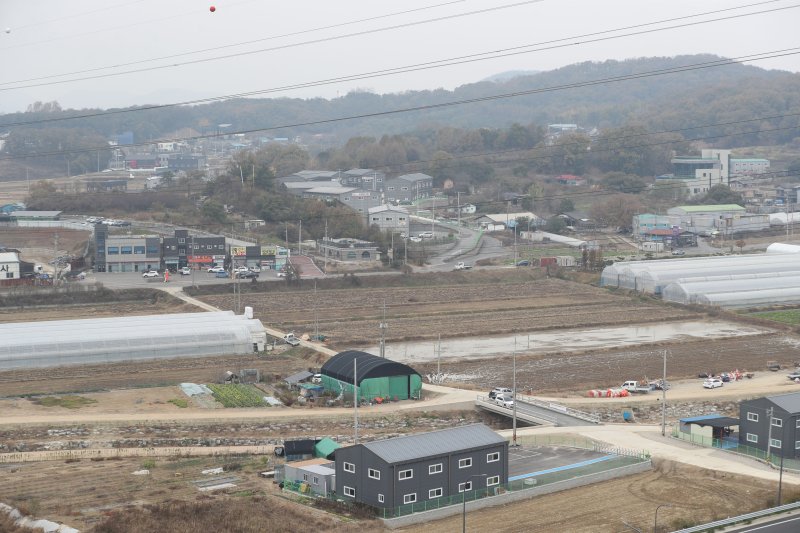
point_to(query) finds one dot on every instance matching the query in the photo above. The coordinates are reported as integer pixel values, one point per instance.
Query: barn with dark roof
(374, 377)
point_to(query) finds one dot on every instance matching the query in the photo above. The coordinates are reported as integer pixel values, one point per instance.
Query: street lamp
(655, 521)
(464, 498)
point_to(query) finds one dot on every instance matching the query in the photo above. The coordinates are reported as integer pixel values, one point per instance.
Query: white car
(151, 274)
(255, 268)
(504, 401)
(185, 271)
(502, 391)
(215, 269)
(415, 239)
(240, 269)
(712, 383)
(426, 235)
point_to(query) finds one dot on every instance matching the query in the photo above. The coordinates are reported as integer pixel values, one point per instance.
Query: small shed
(318, 475)
(709, 426)
(298, 378)
(326, 448)
(376, 377)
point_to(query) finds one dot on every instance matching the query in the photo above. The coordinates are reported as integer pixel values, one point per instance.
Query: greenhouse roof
(710, 208)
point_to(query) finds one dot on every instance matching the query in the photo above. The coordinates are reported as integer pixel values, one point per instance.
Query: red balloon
(212, 9)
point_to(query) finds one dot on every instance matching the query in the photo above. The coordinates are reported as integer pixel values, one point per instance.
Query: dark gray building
(408, 187)
(193, 251)
(771, 422)
(416, 468)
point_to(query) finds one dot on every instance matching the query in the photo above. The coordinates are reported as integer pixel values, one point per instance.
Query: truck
(637, 387)
(290, 339)
(461, 265)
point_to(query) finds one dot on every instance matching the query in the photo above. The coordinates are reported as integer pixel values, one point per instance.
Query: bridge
(541, 413)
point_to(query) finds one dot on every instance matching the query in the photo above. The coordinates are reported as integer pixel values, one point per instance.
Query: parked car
(317, 378)
(415, 239)
(504, 401)
(247, 275)
(215, 269)
(281, 274)
(426, 235)
(255, 268)
(291, 340)
(499, 390)
(794, 375)
(523, 263)
(712, 383)
(221, 273)
(185, 271)
(678, 252)
(240, 269)
(151, 274)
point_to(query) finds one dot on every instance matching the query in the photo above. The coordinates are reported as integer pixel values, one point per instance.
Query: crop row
(235, 395)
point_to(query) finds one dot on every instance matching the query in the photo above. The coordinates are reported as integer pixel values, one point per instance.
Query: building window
(435, 493)
(403, 188)
(797, 423)
(315, 480)
(492, 457)
(138, 250)
(127, 250)
(113, 250)
(491, 481)
(349, 467)
(752, 437)
(350, 491)
(402, 219)
(181, 241)
(9, 275)
(405, 474)
(435, 469)
(777, 422)
(797, 445)
(463, 487)
(774, 443)
(305, 477)
(752, 417)
(410, 498)
(376, 219)
(380, 498)
(374, 474)
(390, 188)
(465, 463)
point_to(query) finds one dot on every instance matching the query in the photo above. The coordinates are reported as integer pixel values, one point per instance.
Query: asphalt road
(787, 524)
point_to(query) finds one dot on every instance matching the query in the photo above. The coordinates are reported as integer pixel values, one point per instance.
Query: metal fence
(583, 443)
(511, 486)
(733, 446)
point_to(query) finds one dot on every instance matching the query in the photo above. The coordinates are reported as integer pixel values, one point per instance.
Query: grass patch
(787, 316)
(236, 395)
(183, 403)
(67, 402)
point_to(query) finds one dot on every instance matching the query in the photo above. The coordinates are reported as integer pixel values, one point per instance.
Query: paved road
(787, 524)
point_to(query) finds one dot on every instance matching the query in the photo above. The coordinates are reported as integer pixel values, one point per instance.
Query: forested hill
(584, 93)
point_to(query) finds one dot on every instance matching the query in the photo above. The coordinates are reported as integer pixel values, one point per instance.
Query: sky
(138, 52)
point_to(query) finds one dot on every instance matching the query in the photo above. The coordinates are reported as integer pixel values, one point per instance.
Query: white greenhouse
(134, 338)
(693, 290)
(725, 281)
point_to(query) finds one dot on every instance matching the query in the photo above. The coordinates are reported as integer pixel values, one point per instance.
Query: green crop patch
(68, 402)
(235, 395)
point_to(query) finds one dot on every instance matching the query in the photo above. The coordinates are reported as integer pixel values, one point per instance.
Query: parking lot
(134, 280)
(525, 461)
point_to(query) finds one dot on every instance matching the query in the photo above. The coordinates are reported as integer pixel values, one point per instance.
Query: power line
(251, 52)
(646, 74)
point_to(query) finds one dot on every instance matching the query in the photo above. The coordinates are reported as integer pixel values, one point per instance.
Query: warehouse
(133, 338)
(376, 377)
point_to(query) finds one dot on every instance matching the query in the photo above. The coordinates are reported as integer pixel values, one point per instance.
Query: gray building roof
(414, 177)
(434, 443)
(788, 402)
(382, 208)
(297, 378)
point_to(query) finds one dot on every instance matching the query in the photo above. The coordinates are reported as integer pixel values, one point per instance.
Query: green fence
(511, 486)
(738, 448)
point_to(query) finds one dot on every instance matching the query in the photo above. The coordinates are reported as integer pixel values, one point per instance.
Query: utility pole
(769, 434)
(383, 325)
(664, 398)
(458, 203)
(514, 396)
(316, 321)
(355, 397)
(192, 266)
(439, 358)
(325, 250)
(433, 217)
(300, 239)
(55, 259)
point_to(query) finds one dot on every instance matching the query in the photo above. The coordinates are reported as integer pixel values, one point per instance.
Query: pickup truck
(290, 339)
(637, 387)
(461, 265)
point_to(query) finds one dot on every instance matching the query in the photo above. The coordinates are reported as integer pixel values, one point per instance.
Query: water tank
(248, 312)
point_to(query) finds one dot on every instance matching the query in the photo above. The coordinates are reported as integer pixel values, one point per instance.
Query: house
(570, 181)
(772, 424)
(349, 250)
(699, 174)
(501, 221)
(579, 220)
(389, 218)
(318, 474)
(423, 467)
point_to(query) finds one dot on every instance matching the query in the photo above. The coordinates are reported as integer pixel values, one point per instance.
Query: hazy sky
(50, 41)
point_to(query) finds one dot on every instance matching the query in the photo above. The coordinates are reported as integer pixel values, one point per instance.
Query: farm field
(349, 317)
(787, 316)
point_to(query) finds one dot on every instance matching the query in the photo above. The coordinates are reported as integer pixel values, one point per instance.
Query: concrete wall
(509, 497)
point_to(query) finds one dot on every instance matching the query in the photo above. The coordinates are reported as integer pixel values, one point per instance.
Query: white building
(389, 218)
(9, 265)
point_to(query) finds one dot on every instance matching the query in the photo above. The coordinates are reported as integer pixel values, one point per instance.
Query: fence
(734, 446)
(518, 485)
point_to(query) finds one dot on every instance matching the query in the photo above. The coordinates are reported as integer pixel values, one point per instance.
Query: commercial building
(418, 468)
(9, 266)
(194, 251)
(132, 338)
(772, 424)
(349, 250)
(699, 174)
(377, 377)
(408, 187)
(389, 218)
(267, 257)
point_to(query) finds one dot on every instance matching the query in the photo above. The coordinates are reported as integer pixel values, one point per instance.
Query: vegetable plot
(235, 395)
